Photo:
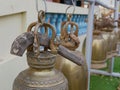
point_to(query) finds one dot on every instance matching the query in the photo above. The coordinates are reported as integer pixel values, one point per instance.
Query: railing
(90, 38)
(56, 20)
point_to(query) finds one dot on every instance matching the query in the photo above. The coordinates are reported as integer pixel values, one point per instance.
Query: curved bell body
(41, 75)
(107, 37)
(76, 75)
(114, 43)
(99, 51)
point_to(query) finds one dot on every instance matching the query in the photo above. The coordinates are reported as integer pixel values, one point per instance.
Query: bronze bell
(111, 39)
(76, 74)
(106, 34)
(41, 75)
(99, 50)
(114, 43)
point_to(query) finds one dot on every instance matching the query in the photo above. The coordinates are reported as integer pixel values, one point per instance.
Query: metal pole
(101, 72)
(89, 39)
(116, 14)
(111, 65)
(102, 4)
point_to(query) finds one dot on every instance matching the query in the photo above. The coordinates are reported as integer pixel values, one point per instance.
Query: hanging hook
(37, 8)
(69, 15)
(68, 8)
(73, 4)
(41, 16)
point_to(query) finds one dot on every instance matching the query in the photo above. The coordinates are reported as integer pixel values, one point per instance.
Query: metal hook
(41, 16)
(44, 3)
(68, 8)
(71, 6)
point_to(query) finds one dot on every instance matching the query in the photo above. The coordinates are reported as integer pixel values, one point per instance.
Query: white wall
(15, 16)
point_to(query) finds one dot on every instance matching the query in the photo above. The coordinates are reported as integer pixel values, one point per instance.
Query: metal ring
(74, 24)
(36, 40)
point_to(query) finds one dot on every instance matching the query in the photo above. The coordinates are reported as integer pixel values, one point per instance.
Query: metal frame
(90, 38)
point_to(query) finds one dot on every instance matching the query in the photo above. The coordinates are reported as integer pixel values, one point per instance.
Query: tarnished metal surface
(69, 40)
(41, 75)
(71, 55)
(104, 23)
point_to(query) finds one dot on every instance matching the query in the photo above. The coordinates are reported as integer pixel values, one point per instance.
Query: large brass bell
(76, 74)
(41, 75)
(99, 50)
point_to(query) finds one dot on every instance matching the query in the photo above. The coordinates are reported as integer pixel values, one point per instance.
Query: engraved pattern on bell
(42, 77)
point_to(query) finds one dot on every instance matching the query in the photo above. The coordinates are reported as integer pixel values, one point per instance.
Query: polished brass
(76, 74)
(103, 23)
(99, 52)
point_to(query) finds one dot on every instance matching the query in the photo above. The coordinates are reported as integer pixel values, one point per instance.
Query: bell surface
(41, 75)
(99, 53)
(114, 42)
(99, 50)
(75, 74)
